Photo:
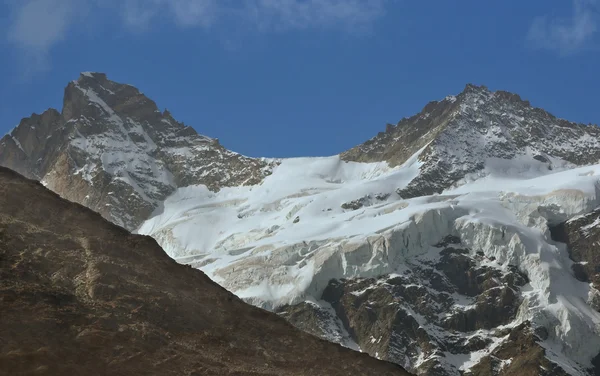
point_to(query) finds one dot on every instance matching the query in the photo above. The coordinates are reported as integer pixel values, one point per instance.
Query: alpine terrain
(113, 151)
(460, 241)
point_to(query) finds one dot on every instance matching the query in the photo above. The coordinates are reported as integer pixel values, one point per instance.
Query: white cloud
(135, 15)
(194, 12)
(264, 14)
(304, 14)
(39, 24)
(566, 35)
(139, 14)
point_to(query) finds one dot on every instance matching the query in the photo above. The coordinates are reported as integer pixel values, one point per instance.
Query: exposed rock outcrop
(443, 307)
(582, 237)
(521, 354)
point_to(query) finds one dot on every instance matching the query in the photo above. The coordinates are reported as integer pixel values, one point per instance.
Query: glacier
(281, 242)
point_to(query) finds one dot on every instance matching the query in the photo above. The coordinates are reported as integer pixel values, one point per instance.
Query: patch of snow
(586, 229)
(95, 99)
(464, 362)
(17, 143)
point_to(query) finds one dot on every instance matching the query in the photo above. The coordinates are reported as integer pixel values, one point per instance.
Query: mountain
(441, 283)
(434, 283)
(83, 296)
(458, 242)
(460, 133)
(112, 150)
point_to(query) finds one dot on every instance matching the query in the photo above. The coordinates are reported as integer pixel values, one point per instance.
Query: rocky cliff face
(112, 150)
(81, 296)
(582, 237)
(462, 133)
(443, 308)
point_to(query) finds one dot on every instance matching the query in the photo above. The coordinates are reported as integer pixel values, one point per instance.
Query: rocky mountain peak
(458, 134)
(475, 89)
(113, 150)
(104, 95)
(99, 76)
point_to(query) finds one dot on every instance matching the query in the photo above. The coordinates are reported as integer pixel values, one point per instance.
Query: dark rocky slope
(81, 296)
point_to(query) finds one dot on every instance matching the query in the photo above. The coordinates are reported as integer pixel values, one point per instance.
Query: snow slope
(281, 242)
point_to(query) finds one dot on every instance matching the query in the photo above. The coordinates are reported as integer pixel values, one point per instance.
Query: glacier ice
(246, 239)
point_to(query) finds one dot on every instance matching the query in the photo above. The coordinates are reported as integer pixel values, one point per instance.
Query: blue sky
(301, 77)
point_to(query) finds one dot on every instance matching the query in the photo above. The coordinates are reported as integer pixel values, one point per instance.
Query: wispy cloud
(566, 35)
(272, 15)
(38, 25)
(135, 15)
(139, 14)
(348, 15)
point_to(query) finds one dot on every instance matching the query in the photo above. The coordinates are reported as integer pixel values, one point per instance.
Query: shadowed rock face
(81, 296)
(460, 133)
(445, 307)
(582, 237)
(112, 150)
(520, 355)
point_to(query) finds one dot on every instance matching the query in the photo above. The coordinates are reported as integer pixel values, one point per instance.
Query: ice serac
(435, 283)
(463, 132)
(114, 151)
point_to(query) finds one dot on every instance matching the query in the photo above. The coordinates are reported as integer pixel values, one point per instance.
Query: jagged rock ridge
(112, 150)
(461, 133)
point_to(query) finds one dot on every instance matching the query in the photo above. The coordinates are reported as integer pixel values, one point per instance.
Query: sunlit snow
(283, 240)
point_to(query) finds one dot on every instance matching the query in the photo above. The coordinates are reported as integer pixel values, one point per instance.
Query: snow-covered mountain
(460, 269)
(111, 149)
(461, 133)
(459, 241)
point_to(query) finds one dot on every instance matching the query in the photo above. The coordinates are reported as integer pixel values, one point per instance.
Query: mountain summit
(458, 241)
(112, 150)
(461, 133)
